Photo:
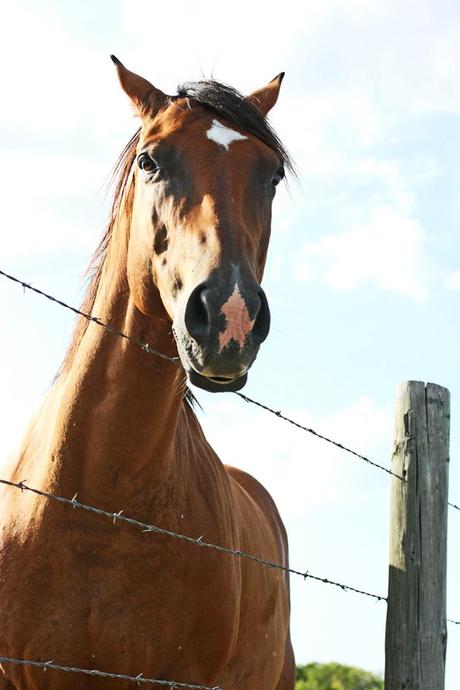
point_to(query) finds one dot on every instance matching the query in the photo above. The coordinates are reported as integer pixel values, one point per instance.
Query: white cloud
(301, 471)
(42, 194)
(385, 251)
(56, 85)
(233, 46)
(392, 185)
(61, 100)
(452, 281)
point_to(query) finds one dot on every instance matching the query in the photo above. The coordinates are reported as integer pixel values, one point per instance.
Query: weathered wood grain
(416, 633)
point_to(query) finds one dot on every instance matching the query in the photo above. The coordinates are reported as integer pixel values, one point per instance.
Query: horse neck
(108, 427)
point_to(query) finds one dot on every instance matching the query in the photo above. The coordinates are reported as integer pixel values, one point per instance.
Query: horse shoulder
(265, 502)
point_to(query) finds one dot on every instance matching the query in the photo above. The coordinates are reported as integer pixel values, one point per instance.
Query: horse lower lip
(216, 384)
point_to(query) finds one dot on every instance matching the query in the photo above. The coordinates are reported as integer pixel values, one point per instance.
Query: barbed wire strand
(144, 346)
(279, 414)
(145, 527)
(45, 665)
(176, 362)
(450, 620)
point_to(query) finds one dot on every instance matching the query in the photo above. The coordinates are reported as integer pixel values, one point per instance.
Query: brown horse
(180, 268)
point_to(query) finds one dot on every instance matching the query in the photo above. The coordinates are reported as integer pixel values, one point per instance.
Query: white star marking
(223, 135)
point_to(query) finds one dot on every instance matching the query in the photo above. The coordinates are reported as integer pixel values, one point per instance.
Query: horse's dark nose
(243, 315)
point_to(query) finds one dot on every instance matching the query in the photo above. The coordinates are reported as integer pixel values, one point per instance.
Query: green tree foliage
(335, 677)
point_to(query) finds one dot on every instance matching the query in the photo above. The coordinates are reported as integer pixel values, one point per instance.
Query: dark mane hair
(227, 102)
(220, 99)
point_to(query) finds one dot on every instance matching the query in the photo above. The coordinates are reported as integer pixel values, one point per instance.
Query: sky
(363, 276)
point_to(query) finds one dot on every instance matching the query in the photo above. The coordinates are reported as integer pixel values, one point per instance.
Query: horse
(179, 267)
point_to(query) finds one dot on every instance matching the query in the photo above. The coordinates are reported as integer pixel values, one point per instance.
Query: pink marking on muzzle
(238, 322)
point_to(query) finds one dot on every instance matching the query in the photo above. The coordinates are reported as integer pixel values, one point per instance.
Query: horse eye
(278, 176)
(146, 163)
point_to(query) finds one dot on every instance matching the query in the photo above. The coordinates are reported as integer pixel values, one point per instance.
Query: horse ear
(144, 96)
(265, 98)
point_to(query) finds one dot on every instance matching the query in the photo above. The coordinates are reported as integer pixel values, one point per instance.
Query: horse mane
(119, 178)
(218, 98)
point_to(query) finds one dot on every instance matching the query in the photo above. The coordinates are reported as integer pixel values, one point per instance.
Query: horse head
(204, 178)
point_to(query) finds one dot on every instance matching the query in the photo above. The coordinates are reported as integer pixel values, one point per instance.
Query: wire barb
(45, 665)
(197, 541)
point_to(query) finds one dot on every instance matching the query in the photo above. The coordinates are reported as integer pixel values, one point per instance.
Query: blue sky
(363, 275)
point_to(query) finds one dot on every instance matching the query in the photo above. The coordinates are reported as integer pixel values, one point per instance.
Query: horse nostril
(261, 325)
(196, 317)
(244, 316)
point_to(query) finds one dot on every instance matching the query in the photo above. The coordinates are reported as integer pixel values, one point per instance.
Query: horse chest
(121, 601)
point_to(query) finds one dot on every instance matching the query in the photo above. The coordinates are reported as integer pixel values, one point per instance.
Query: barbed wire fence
(118, 517)
(140, 678)
(197, 541)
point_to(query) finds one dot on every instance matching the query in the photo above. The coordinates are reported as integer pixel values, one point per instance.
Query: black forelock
(228, 103)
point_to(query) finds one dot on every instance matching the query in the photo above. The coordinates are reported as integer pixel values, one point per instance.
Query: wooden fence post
(416, 634)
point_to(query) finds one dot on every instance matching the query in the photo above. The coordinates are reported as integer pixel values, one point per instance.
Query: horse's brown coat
(115, 429)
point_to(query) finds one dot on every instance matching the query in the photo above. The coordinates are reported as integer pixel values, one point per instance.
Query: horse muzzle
(220, 333)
